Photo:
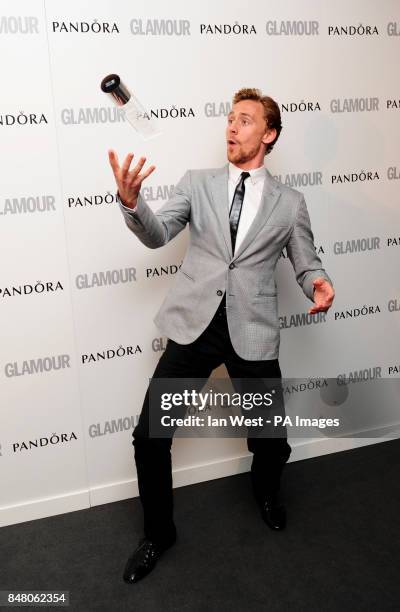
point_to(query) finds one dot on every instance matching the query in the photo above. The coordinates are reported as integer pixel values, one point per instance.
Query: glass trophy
(135, 112)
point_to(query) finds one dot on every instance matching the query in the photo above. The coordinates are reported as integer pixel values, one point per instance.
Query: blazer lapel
(219, 189)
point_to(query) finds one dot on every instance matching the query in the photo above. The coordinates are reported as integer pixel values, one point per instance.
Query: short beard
(242, 157)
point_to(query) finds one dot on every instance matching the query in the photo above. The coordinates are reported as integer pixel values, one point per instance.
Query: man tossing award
(222, 307)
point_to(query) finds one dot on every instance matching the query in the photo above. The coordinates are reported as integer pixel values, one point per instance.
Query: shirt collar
(256, 174)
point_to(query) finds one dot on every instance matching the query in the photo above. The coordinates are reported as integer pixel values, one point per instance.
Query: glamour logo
(294, 107)
(300, 179)
(393, 173)
(121, 351)
(115, 114)
(109, 277)
(292, 28)
(158, 271)
(158, 344)
(301, 319)
(37, 366)
(226, 28)
(354, 177)
(359, 376)
(19, 24)
(319, 249)
(394, 241)
(356, 312)
(39, 287)
(354, 105)
(394, 305)
(107, 114)
(92, 200)
(153, 193)
(23, 119)
(97, 430)
(160, 27)
(356, 246)
(85, 27)
(352, 30)
(45, 441)
(28, 204)
(393, 28)
(217, 109)
(393, 104)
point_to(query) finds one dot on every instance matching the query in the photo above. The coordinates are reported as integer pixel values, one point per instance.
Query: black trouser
(153, 454)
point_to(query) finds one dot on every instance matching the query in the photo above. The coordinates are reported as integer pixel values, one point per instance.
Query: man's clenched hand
(323, 295)
(128, 182)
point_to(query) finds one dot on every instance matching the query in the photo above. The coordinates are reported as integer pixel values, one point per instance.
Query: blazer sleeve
(156, 229)
(302, 253)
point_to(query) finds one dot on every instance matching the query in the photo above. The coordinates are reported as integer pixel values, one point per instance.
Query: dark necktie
(236, 207)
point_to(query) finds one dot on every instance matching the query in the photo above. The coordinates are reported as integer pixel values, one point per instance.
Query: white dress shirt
(254, 185)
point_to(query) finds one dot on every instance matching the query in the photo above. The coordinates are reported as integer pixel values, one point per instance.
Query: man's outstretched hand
(128, 181)
(323, 295)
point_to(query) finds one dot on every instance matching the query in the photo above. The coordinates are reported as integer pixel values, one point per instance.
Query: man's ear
(269, 136)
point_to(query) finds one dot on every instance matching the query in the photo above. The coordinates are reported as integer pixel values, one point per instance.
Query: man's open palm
(128, 181)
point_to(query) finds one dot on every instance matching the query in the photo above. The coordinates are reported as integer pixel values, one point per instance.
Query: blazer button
(219, 292)
(231, 266)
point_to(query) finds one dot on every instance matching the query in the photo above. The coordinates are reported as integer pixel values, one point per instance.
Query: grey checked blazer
(200, 198)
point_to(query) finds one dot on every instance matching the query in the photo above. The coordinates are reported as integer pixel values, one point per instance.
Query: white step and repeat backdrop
(78, 291)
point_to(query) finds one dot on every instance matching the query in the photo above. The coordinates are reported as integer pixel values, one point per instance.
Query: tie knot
(244, 175)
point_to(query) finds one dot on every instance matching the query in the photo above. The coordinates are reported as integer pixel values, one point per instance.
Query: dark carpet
(339, 552)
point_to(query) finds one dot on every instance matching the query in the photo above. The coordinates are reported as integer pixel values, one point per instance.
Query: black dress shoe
(273, 513)
(143, 560)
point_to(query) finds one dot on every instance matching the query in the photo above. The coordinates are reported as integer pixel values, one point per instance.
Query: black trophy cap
(110, 83)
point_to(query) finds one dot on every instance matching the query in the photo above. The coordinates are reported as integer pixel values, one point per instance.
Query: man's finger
(126, 164)
(113, 158)
(134, 173)
(321, 305)
(320, 308)
(148, 171)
